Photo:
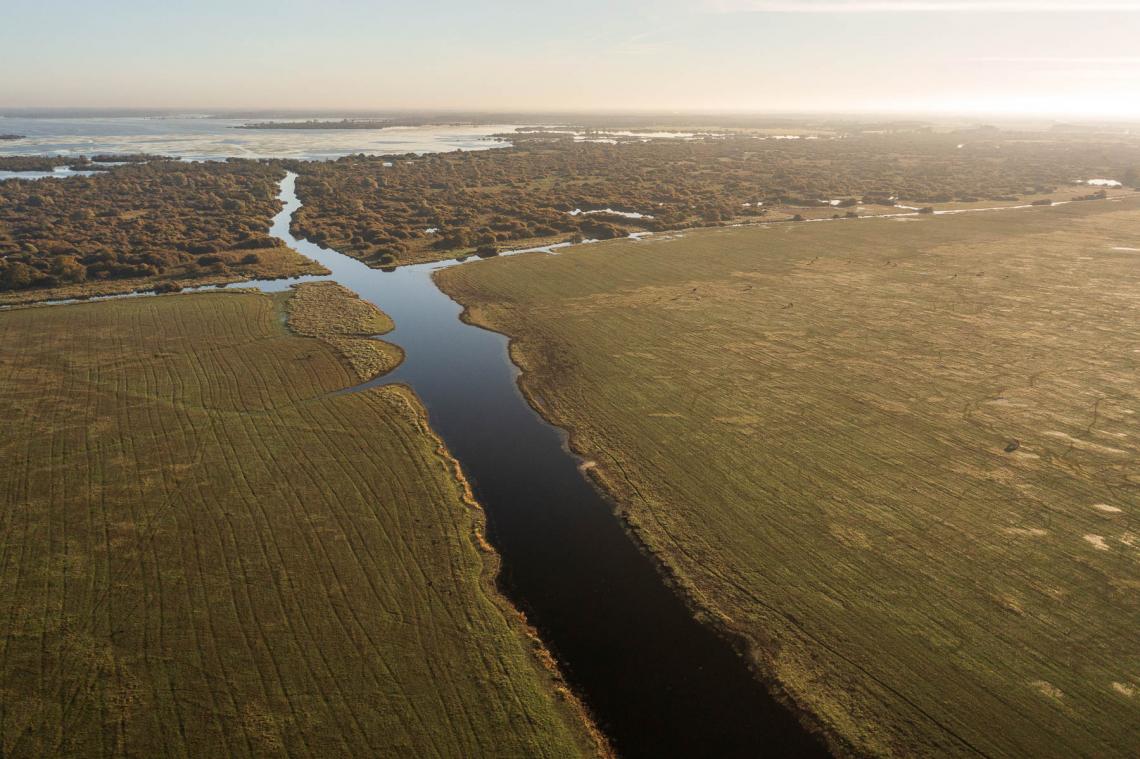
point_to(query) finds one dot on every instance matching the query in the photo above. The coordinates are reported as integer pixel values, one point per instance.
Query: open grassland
(204, 552)
(899, 457)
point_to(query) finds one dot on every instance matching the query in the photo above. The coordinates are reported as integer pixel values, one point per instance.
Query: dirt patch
(1097, 542)
(1026, 532)
(1048, 689)
(1106, 508)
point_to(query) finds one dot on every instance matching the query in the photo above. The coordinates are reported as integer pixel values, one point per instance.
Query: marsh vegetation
(141, 225)
(550, 186)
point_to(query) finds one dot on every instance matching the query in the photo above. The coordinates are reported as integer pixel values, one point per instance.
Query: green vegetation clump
(900, 457)
(40, 163)
(140, 225)
(129, 158)
(339, 317)
(206, 551)
(549, 187)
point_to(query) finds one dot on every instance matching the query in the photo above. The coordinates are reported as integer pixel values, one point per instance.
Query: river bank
(779, 411)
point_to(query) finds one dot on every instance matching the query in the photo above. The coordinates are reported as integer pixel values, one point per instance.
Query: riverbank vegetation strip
(898, 457)
(206, 551)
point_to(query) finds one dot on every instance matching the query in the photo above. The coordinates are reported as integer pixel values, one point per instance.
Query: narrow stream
(658, 682)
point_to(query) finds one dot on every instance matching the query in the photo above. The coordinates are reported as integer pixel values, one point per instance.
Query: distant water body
(216, 139)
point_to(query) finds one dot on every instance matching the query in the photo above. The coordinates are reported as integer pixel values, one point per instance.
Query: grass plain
(899, 457)
(204, 551)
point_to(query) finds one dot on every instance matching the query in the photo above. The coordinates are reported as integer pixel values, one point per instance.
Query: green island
(40, 163)
(896, 457)
(205, 550)
(386, 123)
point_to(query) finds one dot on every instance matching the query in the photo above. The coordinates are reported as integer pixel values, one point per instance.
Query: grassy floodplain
(900, 457)
(203, 552)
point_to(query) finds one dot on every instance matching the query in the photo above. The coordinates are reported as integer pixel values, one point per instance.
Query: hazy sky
(1044, 56)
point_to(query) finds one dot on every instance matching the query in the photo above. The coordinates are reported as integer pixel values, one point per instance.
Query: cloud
(921, 6)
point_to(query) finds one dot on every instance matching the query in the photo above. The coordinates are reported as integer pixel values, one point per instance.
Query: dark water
(659, 683)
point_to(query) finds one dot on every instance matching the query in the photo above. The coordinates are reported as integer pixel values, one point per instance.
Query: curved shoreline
(703, 613)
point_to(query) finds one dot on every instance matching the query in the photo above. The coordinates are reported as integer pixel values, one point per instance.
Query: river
(658, 682)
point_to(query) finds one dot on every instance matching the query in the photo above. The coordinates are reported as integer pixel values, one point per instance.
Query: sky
(1054, 58)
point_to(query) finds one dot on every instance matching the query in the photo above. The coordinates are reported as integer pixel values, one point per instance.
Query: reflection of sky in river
(200, 138)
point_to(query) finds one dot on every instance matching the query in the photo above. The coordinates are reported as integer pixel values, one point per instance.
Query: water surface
(217, 138)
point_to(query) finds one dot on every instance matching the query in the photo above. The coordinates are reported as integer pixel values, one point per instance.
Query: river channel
(658, 682)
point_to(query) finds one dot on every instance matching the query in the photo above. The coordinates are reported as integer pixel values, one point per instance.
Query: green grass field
(203, 553)
(900, 457)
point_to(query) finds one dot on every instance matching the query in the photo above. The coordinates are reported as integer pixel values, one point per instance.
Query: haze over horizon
(1056, 58)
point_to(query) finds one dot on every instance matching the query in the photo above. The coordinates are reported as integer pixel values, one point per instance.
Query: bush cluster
(413, 207)
(156, 219)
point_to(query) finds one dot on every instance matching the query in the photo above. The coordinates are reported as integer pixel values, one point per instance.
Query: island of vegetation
(384, 123)
(207, 550)
(41, 163)
(129, 158)
(151, 223)
(551, 187)
(897, 457)
(320, 124)
(11, 137)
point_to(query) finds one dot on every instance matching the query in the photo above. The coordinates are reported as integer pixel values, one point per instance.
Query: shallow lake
(201, 138)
